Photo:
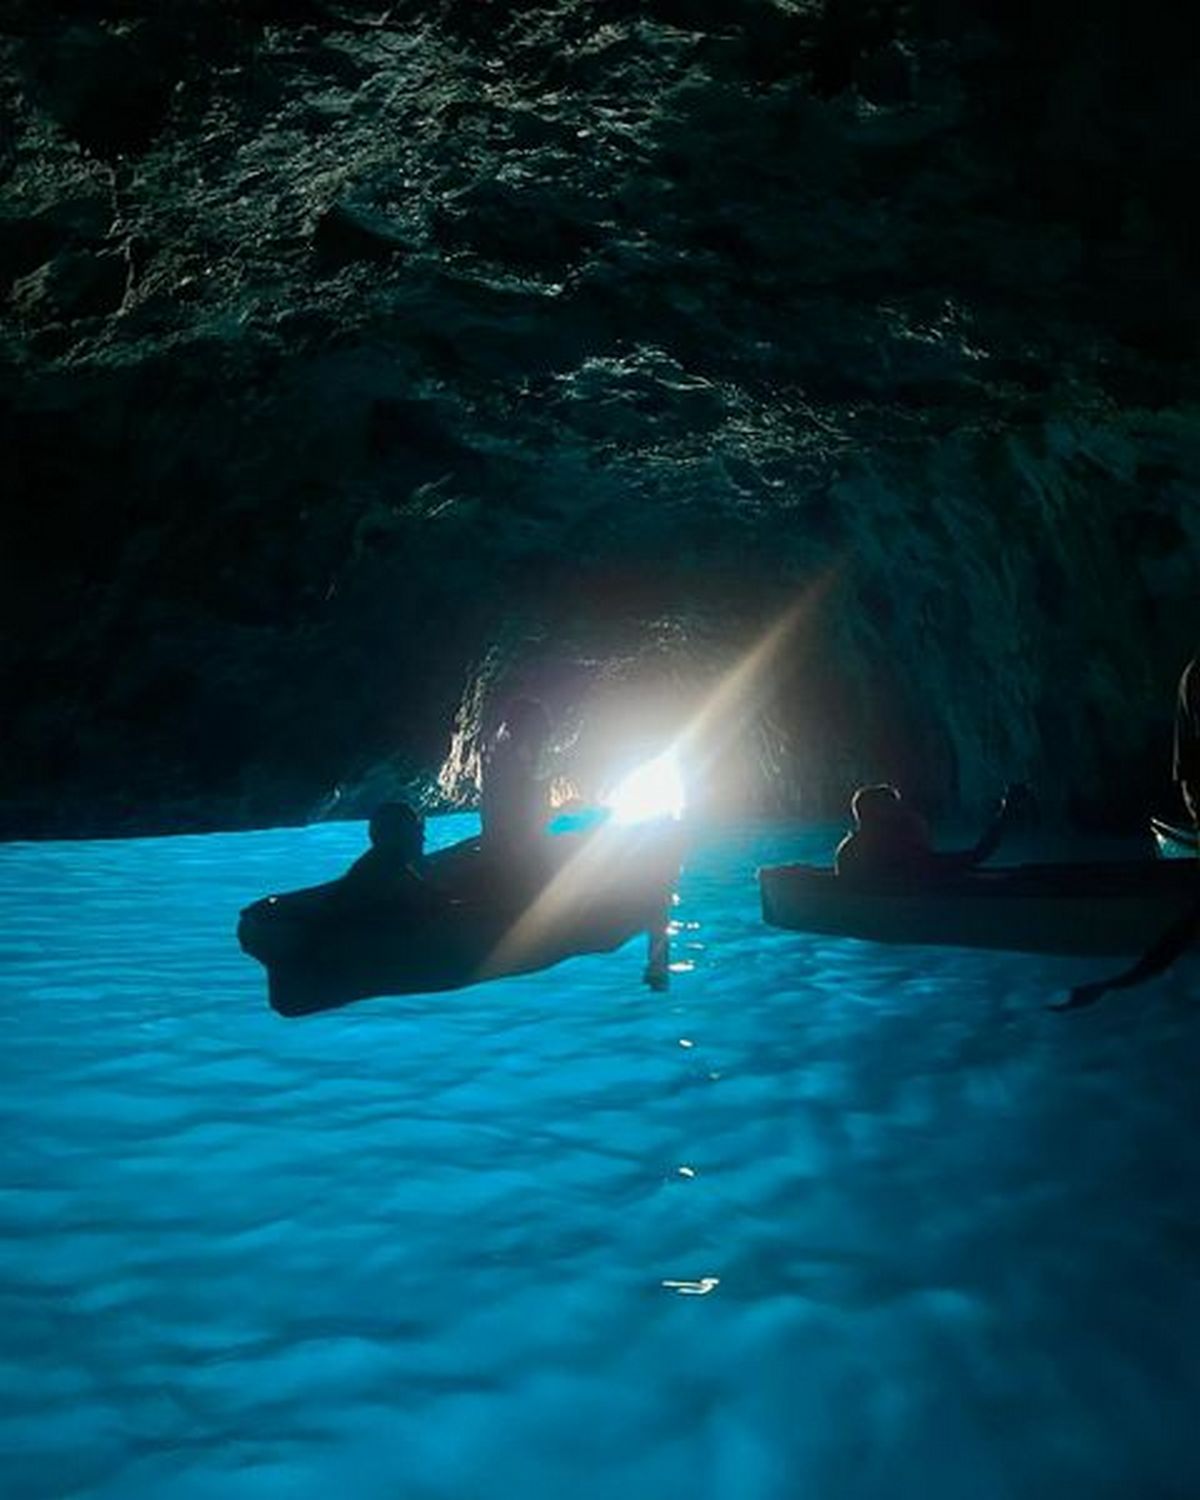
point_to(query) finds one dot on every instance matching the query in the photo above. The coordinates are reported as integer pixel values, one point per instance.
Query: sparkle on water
(825, 1220)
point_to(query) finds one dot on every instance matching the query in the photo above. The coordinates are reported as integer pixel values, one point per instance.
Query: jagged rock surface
(355, 360)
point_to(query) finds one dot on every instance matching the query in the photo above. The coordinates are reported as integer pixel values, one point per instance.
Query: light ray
(652, 790)
(601, 856)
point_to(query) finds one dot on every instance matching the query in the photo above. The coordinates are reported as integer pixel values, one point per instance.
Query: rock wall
(361, 363)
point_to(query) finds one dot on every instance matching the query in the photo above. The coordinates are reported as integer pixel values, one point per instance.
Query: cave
(800, 393)
(357, 361)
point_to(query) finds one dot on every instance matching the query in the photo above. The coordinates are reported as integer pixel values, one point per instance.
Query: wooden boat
(590, 893)
(1114, 909)
(1173, 842)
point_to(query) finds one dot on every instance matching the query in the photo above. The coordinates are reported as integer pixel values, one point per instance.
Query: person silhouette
(1186, 749)
(514, 804)
(891, 840)
(388, 873)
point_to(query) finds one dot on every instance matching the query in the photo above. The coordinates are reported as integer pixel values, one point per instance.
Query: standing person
(1186, 760)
(513, 795)
(1184, 933)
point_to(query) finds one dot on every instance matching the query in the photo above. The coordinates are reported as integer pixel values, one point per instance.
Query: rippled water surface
(826, 1220)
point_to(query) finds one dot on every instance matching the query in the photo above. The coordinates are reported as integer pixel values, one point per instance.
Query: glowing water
(826, 1220)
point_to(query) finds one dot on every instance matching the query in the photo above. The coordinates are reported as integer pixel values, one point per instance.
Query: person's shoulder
(1188, 701)
(364, 865)
(422, 893)
(848, 854)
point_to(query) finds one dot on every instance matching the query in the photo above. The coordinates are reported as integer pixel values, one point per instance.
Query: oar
(658, 952)
(1156, 960)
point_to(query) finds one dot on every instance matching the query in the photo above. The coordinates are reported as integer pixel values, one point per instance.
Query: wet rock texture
(361, 364)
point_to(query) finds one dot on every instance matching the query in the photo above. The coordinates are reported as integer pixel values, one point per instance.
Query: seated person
(514, 801)
(890, 839)
(388, 873)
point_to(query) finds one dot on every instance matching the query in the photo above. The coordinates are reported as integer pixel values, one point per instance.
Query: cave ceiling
(360, 363)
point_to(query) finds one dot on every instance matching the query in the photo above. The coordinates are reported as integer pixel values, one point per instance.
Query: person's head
(874, 804)
(526, 722)
(397, 828)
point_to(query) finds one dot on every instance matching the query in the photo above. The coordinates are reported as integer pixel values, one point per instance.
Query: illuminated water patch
(823, 1220)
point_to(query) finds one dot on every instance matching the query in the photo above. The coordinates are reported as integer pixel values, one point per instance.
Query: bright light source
(653, 790)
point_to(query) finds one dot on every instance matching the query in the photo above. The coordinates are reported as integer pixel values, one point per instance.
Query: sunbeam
(603, 857)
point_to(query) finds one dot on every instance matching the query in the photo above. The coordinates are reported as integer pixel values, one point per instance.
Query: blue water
(826, 1220)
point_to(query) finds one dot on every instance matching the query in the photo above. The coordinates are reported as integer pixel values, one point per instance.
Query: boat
(1173, 842)
(1108, 909)
(593, 892)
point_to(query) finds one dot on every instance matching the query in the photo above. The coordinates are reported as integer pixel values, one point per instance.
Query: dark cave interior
(363, 364)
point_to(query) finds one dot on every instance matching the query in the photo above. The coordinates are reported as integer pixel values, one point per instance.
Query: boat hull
(1173, 842)
(1115, 910)
(590, 895)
